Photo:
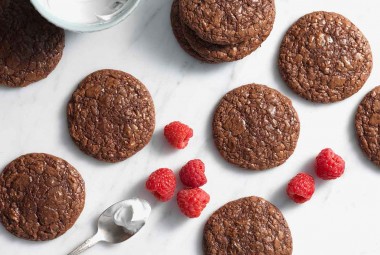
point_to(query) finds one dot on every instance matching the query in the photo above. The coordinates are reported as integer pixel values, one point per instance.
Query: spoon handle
(86, 245)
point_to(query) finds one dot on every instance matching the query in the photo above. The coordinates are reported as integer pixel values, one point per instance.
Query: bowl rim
(78, 27)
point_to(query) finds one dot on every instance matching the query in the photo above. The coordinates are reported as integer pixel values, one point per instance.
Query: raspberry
(329, 165)
(193, 174)
(301, 188)
(178, 134)
(162, 184)
(191, 202)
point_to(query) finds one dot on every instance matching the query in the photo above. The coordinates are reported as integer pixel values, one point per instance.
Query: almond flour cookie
(30, 47)
(41, 196)
(111, 115)
(249, 225)
(228, 21)
(367, 124)
(324, 57)
(255, 127)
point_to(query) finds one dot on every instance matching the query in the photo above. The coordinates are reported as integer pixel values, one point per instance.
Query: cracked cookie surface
(255, 127)
(30, 47)
(367, 124)
(324, 57)
(111, 115)
(228, 21)
(249, 225)
(41, 196)
(3, 5)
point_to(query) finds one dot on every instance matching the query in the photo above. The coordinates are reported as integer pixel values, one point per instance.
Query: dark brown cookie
(3, 5)
(324, 57)
(367, 124)
(229, 21)
(30, 47)
(111, 115)
(179, 34)
(249, 225)
(41, 196)
(255, 127)
(220, 53)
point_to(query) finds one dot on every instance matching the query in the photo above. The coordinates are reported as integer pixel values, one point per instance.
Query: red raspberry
(162, 184)
(329, 165)
(191, 202)
(301, 188)
(193, 174)
(178, 134)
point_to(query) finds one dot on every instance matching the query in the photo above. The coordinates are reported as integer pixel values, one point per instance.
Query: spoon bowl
(108, 230)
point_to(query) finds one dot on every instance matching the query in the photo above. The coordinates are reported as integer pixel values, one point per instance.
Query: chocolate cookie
(220, 53)
(3, 5)
(111, 115)
(41, 196)
(30, 47)
(229, 21)
(255, 127)
(179, 34)
(367, 124)
(248, 225)
(324, 57)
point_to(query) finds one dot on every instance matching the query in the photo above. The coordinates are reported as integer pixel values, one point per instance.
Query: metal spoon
(108, 231)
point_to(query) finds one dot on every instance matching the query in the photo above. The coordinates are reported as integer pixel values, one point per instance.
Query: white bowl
(67, 15)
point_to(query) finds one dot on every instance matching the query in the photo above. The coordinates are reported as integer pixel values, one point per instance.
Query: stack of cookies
(224, 30)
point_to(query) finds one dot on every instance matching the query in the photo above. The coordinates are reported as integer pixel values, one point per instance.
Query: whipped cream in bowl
(85, 15)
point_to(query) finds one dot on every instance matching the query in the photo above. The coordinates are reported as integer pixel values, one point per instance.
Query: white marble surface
(341, 218)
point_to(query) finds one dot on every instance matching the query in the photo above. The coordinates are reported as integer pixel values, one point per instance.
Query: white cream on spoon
(132, 215)
(118, 223)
